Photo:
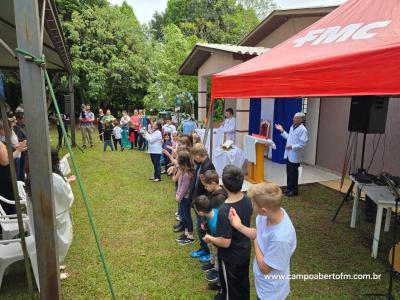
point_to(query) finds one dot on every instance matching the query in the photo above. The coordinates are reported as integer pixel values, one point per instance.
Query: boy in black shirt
(216, 193)
(200, 157)
(233, 247)
(107, 132)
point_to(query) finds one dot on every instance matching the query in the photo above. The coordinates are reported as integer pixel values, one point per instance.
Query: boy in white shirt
(117, 135)
(274, 241)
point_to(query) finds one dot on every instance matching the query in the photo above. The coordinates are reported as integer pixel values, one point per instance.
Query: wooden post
(259, 166)
(41, 178)
(72, 116)
(211, 130)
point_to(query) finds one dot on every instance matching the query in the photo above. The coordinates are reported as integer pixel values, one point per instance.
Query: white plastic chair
(11, 250)
(9, 223)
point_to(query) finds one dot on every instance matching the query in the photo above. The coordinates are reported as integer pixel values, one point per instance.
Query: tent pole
(40, 172)
(7, 48)
(211, 130)
(72, 116)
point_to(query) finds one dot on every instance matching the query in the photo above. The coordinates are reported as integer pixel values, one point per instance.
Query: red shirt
(135, 121)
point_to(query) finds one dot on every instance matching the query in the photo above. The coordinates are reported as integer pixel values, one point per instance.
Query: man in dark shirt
(233, 246)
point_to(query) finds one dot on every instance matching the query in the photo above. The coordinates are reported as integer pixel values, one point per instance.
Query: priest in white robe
(228, 127)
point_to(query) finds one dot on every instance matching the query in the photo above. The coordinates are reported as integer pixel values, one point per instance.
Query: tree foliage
(109, 54)
(261, 7)
(214, 21)
(165, 61)
(120, 63)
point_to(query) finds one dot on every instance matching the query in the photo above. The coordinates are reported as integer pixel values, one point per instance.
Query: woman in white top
(154, 140)
(63, 200)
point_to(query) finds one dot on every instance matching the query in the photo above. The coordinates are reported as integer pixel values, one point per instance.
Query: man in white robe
(228, 127)
(296, 141)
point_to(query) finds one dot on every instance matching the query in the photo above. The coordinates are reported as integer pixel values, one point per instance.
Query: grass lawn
(134, 218)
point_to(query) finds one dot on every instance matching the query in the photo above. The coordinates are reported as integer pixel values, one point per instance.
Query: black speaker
(368, 114)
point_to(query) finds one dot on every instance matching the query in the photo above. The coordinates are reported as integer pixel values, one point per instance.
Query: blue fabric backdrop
(255, 115)
(285, 108)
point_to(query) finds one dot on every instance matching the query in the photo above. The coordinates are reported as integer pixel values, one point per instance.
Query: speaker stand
(346, 197)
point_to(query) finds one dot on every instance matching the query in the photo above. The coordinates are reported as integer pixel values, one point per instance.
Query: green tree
(157, 24)
(109, 54)
(165, 60)
(261, 7)
(67, 7)
(214, 21)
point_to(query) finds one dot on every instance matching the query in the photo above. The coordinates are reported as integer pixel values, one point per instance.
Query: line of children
(233, 246)
(274, 240)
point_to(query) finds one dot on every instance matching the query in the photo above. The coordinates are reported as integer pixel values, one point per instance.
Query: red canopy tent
(355, 50)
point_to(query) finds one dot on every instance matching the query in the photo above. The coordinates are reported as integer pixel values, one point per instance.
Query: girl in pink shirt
(185, 176)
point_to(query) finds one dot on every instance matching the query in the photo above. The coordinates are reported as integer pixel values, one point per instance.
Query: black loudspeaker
(368, 114)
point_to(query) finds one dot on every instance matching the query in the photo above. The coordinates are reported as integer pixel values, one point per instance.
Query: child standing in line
(117, 135)
(200, 157)
(217, 196)
(108, 130)
(274, 241)
(202, 206)
(167, 147)
(233, 246)
(185, 176)
(216, 193)
(175, 140)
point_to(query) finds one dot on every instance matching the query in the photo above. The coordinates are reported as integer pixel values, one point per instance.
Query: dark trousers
(235, 281)
(155, 159)
(108, 143)
(136, 133)
(17, 163)
(60, 134)
(142, 143)
(292, 173)
(185, 213)
(21, 174)
(116, 142)
(201, 233)
(100, 129)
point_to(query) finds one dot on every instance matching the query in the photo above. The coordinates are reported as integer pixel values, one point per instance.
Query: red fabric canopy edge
(367, 66)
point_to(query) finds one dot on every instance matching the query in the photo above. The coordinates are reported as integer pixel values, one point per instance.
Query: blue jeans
(155, 159)
(185, 210)
(108, 143)
(17, 166)
(201, 233)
